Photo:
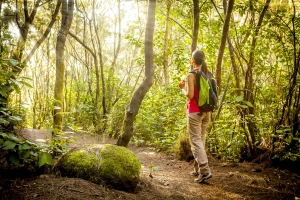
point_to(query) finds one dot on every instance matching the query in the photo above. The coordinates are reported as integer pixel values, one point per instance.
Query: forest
(111, 69)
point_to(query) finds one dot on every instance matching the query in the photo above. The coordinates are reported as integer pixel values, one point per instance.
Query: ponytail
(199, 58)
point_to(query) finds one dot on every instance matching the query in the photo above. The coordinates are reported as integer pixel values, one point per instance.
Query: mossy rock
(103, 164)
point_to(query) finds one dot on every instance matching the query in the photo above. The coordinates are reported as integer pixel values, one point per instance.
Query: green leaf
(14, 159)
(3, 109)
(248, 103)
(7, 36)
(3, 93)
(295, 138)
(26, 146)
(239, 98)
(288, 140)
(15, 118)
(168, 140)
(9, 145)
(34, 153)
(4, 122)
(16, 88)
(13, 62)
(26, 154)
(13, 138)
(25, 83)
(5, 135)
(45, 158)
(293, 158)
(1, 141)
(243, 106)
(240, 138)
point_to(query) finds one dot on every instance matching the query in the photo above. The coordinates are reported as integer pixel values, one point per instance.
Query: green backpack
(207, 90)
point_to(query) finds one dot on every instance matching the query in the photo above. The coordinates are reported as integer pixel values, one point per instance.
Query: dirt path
(169, 180)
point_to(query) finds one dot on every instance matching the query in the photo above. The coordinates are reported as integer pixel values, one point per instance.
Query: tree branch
(176, 23)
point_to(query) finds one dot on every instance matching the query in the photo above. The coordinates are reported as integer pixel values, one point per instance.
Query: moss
(119, 163)
(78, 163)
(113, 165)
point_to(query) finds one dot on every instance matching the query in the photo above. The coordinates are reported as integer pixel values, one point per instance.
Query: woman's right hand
(182, 84)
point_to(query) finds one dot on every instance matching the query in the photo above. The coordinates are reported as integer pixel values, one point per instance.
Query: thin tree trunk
(248, 92)
(96, 101)
(117, 50)
(101, 64)
(291, 107)
(138, 96)
(46, 33)
(67, 17)
(166, 44)
(24, 28)
(231, 53)
(196, 25)
(110, 82)
(222, 44)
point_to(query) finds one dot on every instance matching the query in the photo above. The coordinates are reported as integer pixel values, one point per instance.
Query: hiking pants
(197, 125)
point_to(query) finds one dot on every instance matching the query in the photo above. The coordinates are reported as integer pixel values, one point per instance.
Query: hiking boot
(203, 177)
(193, 173)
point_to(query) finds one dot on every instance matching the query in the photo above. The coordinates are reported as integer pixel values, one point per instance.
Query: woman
(197, 123)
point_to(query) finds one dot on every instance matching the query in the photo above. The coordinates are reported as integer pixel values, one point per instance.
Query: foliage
(116, 116)
(161, 119)
(9, 81)
(286, 146)
(23, 152)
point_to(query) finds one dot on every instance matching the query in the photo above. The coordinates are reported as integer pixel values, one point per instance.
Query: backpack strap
(197, 75)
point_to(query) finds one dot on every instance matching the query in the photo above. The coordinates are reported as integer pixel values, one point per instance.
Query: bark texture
(222, 45)
(138, 96)
(249, 86)
(67, 17)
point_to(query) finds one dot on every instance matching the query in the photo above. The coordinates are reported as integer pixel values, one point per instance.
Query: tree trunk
(100, 55)
(138, 96)
(110, 82)
(196, 25)
(248, 91)
(67, 16)
(24, 28)
(291, 107)
(117, 49)
(166, 44)
(222, 44)
(46, 33)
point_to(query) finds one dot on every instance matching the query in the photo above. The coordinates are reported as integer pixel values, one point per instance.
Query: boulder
(106, 164)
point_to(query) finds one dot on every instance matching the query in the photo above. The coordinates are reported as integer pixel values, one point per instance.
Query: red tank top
(192, 105)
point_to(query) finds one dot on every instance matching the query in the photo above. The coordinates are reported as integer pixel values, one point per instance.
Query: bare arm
(189, 93)
(190, 84)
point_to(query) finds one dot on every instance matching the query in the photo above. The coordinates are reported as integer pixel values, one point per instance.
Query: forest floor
(171, 180)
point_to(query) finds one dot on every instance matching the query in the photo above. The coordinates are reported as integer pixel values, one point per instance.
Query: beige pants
(197, 125)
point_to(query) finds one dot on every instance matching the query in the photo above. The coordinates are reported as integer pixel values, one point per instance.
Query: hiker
(197, 120)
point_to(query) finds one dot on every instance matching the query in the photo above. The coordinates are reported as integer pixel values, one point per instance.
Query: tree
(196, 13)
(166, 43)
(138, 96)
(24, 27)
(248, 90)
(46, 33)
(222, 44)
(67, 17)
